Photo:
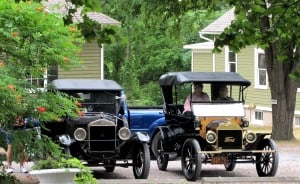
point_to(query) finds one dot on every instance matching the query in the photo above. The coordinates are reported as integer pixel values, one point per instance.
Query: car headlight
(80, 134)
(211, 137)
(124, 133)
(250, 137)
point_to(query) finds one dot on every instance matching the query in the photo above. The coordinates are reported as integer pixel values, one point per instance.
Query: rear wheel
(267, 162)
(154, 144)
(162, 161)
(191, 159)
(162, 158)
(141, 162)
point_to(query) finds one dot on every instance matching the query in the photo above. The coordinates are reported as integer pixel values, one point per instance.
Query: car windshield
(231, 93)
(96, 101)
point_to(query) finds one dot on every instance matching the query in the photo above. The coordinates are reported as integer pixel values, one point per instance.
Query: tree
(31, 41)
(271, 25)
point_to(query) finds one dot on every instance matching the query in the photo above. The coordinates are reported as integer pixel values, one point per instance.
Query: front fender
(141, 137)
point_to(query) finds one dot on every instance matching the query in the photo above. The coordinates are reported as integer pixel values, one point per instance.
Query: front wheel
(191, 159)
(141, 162)
(267, 162)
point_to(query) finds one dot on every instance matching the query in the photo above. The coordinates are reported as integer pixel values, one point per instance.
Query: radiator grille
(102, 138)
(230, 139)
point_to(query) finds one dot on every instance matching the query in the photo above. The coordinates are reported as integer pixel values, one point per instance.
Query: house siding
(90, 67)
(220, 61)
(203, 61)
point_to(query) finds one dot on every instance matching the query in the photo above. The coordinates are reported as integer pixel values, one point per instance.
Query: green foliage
(32, 40)
(148, 45)
(8, 178)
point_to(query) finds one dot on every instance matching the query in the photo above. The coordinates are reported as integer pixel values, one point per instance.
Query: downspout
(102, 62)
(201, 35)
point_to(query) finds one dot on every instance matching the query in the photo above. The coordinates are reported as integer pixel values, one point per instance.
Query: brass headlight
(211, 137)
(80, 134)
(250, 137)
(124, 133)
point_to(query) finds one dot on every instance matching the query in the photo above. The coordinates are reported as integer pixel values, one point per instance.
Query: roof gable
(218, 26)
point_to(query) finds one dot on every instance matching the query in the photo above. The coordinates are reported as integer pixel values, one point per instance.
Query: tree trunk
(283, 91)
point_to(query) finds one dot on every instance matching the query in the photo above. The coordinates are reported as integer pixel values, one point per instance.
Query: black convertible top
(85, 84)
(178, 78)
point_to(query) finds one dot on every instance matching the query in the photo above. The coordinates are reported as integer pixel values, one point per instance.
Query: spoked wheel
(162, 158)
(162, 161)
(141, 162)
(267, 162)
(230, 166)
(110, 166)
(191, 159)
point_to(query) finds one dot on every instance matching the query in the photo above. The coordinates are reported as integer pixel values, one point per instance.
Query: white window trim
(258, 122)
(258, 51)
(45, 83)
(227, 60)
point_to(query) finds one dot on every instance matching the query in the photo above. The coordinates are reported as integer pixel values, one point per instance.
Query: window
(38, 81)
(261, 75)
(259, 115)
(230, 60)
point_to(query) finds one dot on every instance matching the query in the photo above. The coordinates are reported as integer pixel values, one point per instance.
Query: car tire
(154, 144)
(155, 147)
(267, 162)
(191, 159)
(141, 162)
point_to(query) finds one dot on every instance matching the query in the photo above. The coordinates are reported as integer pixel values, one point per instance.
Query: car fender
(154, 127)
(140, 137)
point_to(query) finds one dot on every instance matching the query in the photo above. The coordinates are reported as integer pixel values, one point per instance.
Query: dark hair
(198, 84)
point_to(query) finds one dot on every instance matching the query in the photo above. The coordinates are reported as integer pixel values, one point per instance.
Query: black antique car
(100, 136)
(215, 131)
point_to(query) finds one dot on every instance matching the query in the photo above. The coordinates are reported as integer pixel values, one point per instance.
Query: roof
(85, 84)
(203, 45)
(61, 6)
(98, 17)
(218, 26)
(178, 78)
